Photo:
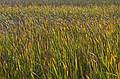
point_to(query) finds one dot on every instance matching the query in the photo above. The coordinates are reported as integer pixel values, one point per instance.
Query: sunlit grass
(65, 42)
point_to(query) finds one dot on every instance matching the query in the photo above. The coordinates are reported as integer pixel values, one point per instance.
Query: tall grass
(66, 42)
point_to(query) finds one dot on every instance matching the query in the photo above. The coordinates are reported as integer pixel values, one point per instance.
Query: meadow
(60, 42)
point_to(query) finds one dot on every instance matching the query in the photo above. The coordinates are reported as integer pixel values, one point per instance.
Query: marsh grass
(63, 42)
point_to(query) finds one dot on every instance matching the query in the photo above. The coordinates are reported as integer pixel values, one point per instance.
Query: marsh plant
(64, 42)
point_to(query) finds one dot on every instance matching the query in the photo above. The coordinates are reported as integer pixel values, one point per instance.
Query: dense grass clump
(65, 42)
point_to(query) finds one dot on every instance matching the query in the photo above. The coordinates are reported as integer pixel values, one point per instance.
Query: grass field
(60, 2)
(64, 42)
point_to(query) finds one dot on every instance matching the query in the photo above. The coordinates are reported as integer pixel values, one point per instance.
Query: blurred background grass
(60, 2)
